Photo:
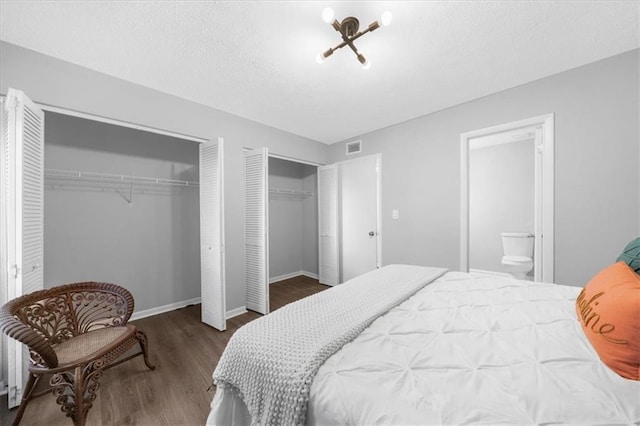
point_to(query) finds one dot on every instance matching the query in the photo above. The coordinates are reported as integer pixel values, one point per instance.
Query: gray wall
(501, 199)
(91, 233)
(52, 81)
(596, 185)
(597, 199)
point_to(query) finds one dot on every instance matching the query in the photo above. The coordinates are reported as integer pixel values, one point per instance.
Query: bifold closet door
(22, 216)
(212, 235)
(328, 250)
(256, 205)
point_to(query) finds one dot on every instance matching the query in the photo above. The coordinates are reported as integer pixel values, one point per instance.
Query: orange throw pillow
(609, 311)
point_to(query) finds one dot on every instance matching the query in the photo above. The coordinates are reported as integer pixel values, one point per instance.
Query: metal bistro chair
(74, 332)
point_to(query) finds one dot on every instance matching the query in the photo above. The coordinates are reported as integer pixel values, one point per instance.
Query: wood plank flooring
(184, 351)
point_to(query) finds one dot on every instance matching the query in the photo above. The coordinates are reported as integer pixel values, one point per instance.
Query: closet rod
(76, 175)
(290, 193)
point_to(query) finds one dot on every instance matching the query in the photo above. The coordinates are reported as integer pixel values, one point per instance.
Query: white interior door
(328, 250)
(256, 202)
(22, 215)
(212, 235)
(360, 224)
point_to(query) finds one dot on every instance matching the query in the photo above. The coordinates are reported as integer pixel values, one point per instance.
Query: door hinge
(14, 271)
(540, 148)
(13, 394)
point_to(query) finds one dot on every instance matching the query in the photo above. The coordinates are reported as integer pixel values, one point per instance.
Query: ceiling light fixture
(349, 30)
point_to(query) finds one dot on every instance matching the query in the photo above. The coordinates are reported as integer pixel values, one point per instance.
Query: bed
(416, 345)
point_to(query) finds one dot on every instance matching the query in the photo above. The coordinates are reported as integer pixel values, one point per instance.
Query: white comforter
(473, 349)
(467, 349)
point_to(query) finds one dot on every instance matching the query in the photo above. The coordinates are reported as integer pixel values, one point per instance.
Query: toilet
(518, 253)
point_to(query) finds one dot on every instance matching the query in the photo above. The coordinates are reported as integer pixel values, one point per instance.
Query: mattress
(467, 349)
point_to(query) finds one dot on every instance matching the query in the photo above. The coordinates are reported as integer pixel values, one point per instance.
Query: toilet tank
(517, 244)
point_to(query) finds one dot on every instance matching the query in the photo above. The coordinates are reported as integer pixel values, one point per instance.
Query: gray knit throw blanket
(270, 362)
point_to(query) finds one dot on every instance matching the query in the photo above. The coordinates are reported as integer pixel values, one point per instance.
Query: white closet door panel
(328, 262)
(23, 146)
(255, 230)
(32, 133)
(212, 235)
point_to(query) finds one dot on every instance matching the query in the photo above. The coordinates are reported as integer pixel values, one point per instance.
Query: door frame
(544, 198)
(270, 154)
(378, 158)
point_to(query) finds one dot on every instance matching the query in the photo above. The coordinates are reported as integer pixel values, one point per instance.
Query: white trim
(101, 119)
(546, 231)
(379, 210)
(310, 275)
(164, 308)
(295, 160)
(177, 305)
(237, 311)
(283, 277)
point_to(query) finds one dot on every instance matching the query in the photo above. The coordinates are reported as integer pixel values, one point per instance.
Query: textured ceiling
(257, 59)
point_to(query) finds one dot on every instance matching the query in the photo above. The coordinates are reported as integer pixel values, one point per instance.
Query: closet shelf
(291, 194)
(80, 176)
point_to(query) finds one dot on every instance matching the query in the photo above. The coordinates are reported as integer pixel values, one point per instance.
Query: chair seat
(91, 344)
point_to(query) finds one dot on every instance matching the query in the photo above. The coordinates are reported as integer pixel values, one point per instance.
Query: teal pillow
(631, 255)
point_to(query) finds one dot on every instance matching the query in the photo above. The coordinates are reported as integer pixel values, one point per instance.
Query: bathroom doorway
(507, 187)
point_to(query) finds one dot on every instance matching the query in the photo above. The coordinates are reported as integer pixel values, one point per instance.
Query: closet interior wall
(293, 220)
(144, 237)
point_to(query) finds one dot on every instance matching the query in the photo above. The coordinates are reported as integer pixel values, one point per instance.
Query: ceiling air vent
(354, 147)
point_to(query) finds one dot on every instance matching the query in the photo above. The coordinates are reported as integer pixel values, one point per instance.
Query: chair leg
(76, 391)
(32, 381)
(142, 339)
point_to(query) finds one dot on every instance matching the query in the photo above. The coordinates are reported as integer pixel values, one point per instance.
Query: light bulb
(386, 18)
(320, 58)
(327, 15)
(366, 65)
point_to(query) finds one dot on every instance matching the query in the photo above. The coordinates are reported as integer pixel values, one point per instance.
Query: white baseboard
(235, 312)
(172, 307)
(164, 308)
(284, 277)
(292, 275)
(310, 275)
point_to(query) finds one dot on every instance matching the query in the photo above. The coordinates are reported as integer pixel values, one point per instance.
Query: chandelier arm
(348, 41)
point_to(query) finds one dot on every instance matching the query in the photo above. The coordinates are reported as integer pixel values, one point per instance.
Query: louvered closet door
(22, 203)
(256, 230)
(212, 235)
(328, 225)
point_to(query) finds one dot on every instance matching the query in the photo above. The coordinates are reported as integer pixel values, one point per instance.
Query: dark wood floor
(184, 351)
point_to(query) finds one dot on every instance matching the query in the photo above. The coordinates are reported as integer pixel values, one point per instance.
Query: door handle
(372, 234)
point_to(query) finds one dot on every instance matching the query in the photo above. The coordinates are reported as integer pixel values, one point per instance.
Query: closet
(121, 205)
(293, 219)
(86, 198)
(319, 221)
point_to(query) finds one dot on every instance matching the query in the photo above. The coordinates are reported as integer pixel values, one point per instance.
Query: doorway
(507, 187)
